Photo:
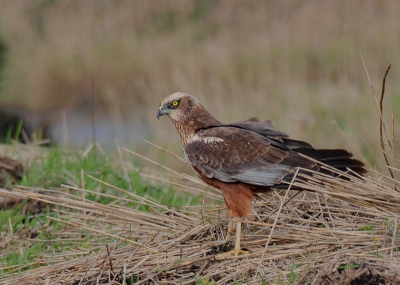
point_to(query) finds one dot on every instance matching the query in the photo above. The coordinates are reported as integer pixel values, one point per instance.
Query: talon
(230, 253)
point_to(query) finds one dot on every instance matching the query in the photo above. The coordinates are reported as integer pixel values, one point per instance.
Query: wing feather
(231, 154)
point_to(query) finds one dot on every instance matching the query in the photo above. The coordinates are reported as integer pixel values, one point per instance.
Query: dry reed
(344, 224)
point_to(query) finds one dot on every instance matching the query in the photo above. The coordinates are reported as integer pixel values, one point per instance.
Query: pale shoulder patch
(206, 140)
(212, 139)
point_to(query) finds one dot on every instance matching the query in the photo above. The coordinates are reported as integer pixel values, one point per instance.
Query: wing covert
(230, 154)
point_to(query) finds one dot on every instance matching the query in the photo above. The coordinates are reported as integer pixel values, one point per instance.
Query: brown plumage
(243, 158)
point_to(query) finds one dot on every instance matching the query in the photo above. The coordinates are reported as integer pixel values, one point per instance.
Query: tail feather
(337, 158)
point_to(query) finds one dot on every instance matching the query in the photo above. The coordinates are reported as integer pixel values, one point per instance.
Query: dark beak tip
(159, 114)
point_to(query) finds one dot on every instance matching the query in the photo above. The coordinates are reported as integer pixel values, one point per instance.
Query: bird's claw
(234, 252)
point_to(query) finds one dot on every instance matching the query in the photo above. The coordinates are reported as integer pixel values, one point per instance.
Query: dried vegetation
(346, 232)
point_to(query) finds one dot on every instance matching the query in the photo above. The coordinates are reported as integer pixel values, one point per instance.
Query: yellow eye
(175, 103)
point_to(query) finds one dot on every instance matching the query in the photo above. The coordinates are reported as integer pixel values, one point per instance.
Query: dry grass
(310, 240)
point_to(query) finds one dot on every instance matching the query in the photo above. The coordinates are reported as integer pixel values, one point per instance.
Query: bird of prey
(244, 158)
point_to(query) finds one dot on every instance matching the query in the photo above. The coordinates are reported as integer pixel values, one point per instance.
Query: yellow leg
(237, 249)
(229, 233)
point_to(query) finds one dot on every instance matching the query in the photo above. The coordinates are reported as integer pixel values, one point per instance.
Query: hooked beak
(160, 112)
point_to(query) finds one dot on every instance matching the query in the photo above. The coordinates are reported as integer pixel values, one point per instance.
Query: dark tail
(338, 158)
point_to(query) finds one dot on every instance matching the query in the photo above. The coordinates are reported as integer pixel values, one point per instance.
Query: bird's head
(177, 106)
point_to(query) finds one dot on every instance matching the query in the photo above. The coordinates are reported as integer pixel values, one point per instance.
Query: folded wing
(232, 154)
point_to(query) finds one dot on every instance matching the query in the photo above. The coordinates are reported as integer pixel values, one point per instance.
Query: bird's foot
(234, 252)
(237, 249)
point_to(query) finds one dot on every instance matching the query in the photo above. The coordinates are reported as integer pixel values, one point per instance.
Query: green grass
(10, 130)
(204, 280)
(61, 168)
(32, 236)
(292, 275)
(23, 255)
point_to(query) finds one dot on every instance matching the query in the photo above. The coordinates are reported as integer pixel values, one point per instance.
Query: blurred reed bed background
(297, 63)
